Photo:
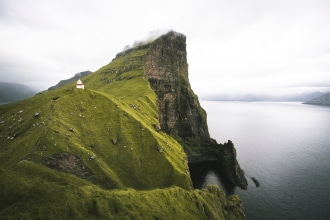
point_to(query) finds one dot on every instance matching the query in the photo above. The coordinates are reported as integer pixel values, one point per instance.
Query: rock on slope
(111, 150)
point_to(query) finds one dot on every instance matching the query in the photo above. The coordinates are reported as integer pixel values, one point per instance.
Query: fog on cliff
(254, 46)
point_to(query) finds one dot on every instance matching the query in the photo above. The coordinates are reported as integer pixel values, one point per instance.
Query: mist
(10, 92)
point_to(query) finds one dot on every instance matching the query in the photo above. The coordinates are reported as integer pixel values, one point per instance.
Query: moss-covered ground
(39, 194)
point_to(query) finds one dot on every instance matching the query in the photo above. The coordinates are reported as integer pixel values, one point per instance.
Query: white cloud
(232, 45)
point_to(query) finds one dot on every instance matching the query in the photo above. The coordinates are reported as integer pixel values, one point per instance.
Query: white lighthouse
(80, 85)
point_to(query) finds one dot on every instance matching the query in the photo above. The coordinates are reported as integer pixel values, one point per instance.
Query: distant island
(263, 97)
(321, 100)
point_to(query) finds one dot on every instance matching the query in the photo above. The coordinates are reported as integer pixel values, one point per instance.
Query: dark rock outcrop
(166, 68)
(180, 113)
(227, 156)
(256, 182)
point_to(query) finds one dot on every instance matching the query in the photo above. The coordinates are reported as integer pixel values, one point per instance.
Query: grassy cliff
(97, 153)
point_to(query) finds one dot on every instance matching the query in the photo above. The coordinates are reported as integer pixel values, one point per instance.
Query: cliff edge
(180, 113)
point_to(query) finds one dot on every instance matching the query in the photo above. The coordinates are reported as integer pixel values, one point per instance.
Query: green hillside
(97, 153)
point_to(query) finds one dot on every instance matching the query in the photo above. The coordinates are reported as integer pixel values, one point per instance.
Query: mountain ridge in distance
(11, 92)
(259, 97)
(320, 100)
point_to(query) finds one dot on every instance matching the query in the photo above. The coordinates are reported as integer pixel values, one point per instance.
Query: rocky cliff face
(166, 67)
(180, 113)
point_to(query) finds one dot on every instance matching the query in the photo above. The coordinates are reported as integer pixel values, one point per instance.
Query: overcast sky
(233, 45)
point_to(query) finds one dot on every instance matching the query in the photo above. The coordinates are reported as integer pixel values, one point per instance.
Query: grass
(125, 146)
(121, 167)
(63, 196)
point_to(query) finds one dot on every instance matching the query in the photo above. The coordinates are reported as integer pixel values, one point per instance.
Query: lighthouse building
(80, 85)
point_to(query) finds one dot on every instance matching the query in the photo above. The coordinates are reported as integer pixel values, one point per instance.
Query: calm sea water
(285, 146)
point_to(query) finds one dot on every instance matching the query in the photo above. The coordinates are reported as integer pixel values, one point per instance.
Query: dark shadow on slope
(72, 164)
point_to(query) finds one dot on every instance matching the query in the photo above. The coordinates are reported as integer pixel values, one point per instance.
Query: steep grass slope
(98, 153)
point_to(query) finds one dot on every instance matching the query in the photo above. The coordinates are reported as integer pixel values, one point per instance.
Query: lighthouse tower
(80, 85)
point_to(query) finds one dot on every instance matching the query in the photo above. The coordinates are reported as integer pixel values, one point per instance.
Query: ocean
(285, 146)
